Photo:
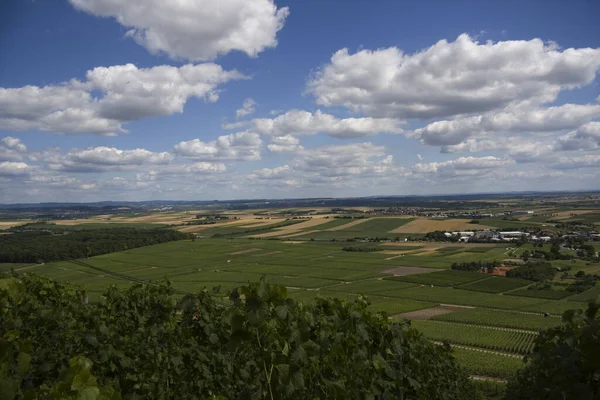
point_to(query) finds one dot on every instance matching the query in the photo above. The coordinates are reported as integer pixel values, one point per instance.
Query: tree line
(44, 246)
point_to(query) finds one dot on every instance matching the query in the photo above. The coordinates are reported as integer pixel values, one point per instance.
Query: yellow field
(10, 224)
(424, 225)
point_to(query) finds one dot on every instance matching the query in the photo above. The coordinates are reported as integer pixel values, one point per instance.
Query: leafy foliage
(540, 271)
(258, 344)
(565, 363)
(42, 246)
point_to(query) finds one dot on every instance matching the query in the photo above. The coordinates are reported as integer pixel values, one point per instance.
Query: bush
(541, 271)
(564, 363)
(146, 343)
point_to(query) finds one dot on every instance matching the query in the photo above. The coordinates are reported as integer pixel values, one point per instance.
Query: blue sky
(101, 100)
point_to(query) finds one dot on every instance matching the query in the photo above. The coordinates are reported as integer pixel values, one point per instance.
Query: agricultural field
(495, 284)
(480, 363)
(441, 278)
(506, 319)
(491, 321)
(505, 340)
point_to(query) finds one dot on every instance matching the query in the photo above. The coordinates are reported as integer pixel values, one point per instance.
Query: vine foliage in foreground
(144, 343)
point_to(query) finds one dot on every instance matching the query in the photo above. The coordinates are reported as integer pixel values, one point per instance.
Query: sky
(244, 99)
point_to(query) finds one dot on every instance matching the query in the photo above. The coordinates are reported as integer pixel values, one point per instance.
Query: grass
(442, 278)
(590, 294)
(482, 316)
(485, 364)
(446, 295)
(491, 338)
(541, 294)
(370, 286)
(495, 284)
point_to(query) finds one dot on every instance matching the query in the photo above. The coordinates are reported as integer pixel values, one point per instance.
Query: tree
(256, 344)
(565, 363)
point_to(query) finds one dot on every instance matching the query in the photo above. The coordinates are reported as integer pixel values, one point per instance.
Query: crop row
(517, 342)
(494, 365)
(508, 319)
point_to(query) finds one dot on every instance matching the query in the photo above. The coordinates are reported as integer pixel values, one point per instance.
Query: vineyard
(443, 278)
(495, 284)
(497, 339)
(499, 318)
(494, 365)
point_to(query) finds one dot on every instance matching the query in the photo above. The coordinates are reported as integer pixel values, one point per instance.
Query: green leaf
(286, 349)
(282, 312)
(23, 362)
(88, 393)
(80, 380)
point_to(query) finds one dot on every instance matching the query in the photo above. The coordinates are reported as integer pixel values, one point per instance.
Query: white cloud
(587, 137)
(15, 169)
(248, 108)
(587, 161)
(11, 149)
(195, 29)
(456, 131)
(298, 122)
(452, 78)
(419, 157)
(280, 144)
(461, 167)
(360, 159)
(236, 146)
(101, 158)
(127, 93)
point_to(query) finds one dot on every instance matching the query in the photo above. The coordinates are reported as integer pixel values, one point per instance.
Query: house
(522, 212)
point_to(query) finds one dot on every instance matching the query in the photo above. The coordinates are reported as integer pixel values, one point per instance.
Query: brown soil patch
(429, 313)
(244, 251)
(293, 241)
(267, 254)
(424, 225)
(403, 271)
(300, 233)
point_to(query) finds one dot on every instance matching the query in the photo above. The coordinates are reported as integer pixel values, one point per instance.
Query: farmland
(491, 321)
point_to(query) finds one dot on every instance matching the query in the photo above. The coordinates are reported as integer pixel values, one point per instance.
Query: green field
(590, 294)
(486, 364)
(508, 319)
(485, 337)
(442, 278)
(320, 268)
(370, 227)
(541, 294)
(495, 284)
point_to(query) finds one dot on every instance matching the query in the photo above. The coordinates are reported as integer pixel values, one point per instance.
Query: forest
(39, 246)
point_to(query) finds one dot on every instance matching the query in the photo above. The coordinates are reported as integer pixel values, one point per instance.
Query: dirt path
(487, 378)
(28, 267)
(243, 251)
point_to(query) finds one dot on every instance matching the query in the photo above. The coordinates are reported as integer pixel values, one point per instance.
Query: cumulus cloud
(586, 137)
(236, 146)
(299, 122)
(248, 107)
(10, 169)
(359, 159)
(587, 161)
(126, 93)
(463, 166)
(192, 29)
(453, 132)
(287, 143)
(452, 78)
(11, 149)
(96, 159)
